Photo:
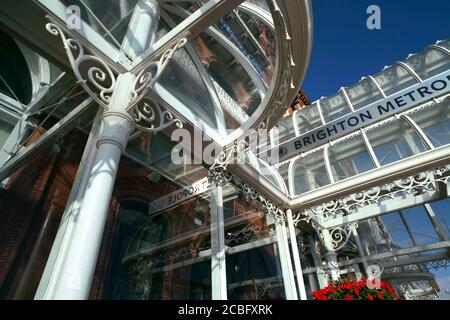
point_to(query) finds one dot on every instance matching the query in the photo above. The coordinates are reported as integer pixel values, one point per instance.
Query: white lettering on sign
(179, 196)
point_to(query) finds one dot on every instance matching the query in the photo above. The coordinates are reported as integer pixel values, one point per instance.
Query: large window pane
(394, 79)
(5, 131)
(254, 275)
(334, 107)
(429, 63)
(349, 157)
(442, 211)
(435, 122)
(32, 203)
(394, 140)
(308, 118)
(163, 259)
(363, 93)
(309, 173)
(420, 226)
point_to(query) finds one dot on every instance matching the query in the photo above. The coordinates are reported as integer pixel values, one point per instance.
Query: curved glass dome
(241, 66)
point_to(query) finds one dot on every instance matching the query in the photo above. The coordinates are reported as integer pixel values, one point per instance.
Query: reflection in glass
(258, 44)
(254, 275)
(266, 40)
(394, 140)
(435, 122)
(334, 107)
(349, 157)
(363, 93)
(308, 118)
(36, 196)
(309, 173)
(394, 79)
(15, 78)
(113, 17)
(165, 259)
(441, 209)
(429, 63)
(228, 73)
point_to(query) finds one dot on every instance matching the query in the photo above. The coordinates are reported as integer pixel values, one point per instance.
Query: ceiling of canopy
(243, 63)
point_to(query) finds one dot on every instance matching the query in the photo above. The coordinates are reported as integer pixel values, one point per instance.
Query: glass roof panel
(435, 122)
(309, 173)
(183, 81)
(237, 54)
(334, 107)
(394, 79)
(363, 93)
(112, 18)
(264, 42)
(349, 157)
(283, 130)
(308, 118)
(238, 93)
(239, 33)
(429, 63)
(445, 44)
(395, 140)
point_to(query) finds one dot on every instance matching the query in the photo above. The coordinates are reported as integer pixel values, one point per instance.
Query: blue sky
(344, 50)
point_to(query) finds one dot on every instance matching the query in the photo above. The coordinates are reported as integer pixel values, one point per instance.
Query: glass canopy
(408, 133)
(238, 70)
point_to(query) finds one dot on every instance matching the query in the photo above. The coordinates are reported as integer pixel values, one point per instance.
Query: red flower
(348, 290)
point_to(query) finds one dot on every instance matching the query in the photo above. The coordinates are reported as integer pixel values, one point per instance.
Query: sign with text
(398, 102)
(179, 196)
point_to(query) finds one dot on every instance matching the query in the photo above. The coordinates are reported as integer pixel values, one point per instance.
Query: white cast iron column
(296, 256)
(73, 270)
(330, 255)
(77, 269)
(285, 260)
(218, 250)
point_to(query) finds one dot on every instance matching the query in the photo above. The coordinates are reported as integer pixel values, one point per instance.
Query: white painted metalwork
(347, 99)
(378, 86)
(419, 131)
(322, 119)
(296, 256)
(410, 71)
(218, 248)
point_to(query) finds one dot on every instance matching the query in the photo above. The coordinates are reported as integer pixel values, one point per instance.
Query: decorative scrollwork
(413, 185)
(285, 80)
(156, 119)
(248, 192)
(99, 81)
(437, 264)
(339, 236)
(235, 153)
(99, 75)
(147, 77)
(253, 230)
